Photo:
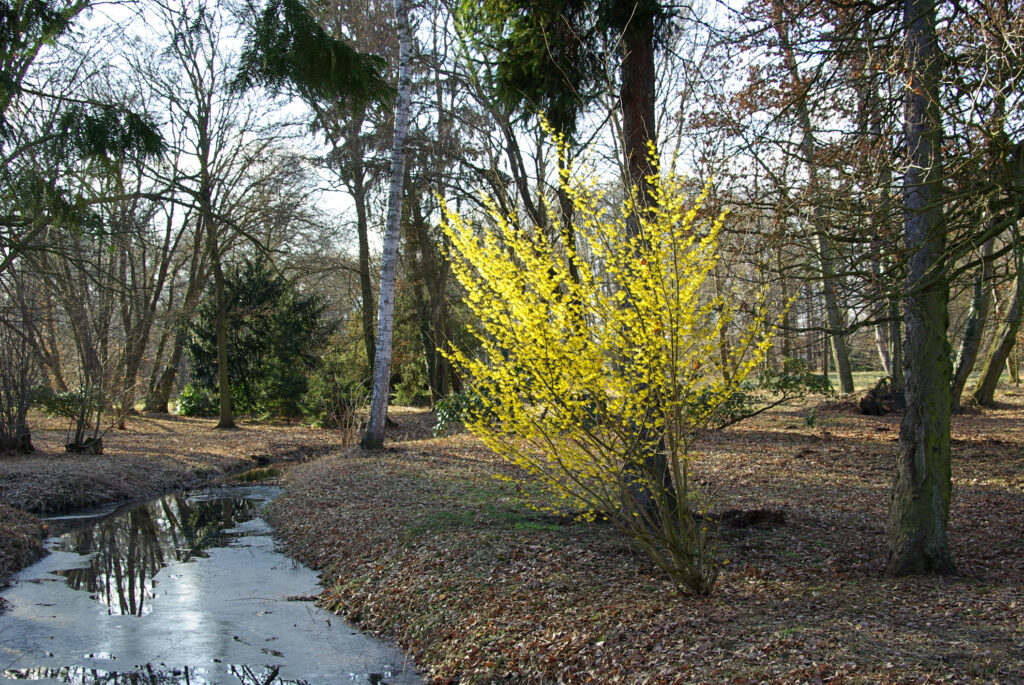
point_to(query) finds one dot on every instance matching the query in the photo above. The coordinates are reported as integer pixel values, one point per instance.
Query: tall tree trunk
(922, 488)
(822, 245)
(160, 393)
(358, 189)
(374, 436)
(431, 276)
(1003, 342)
(227, 419)
(158, 399)
(896, 344)
(637, 97)
(981, 302)
(834, 316)
(365, 284)
(785, 330)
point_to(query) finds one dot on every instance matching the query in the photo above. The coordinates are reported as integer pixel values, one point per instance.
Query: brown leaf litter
(420, 543)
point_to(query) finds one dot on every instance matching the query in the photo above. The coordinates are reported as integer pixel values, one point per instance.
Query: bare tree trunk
(1003, 342)
(981, 302)
(922, 488)
(637, 97)
(882, 328)
(365, 285)
(785, 330)
(158, 399)
(374, 436)
(227, 419)
(896, 344)
(823, 247)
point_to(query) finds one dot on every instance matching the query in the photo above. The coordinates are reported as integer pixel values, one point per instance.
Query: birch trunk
(374, 436)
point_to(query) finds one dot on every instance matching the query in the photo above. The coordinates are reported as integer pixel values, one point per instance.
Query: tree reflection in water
(128, 550)
(80, 675)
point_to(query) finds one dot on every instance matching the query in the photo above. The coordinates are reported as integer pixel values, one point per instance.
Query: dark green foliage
(458, 407)
(83, 407)
(554, 54)
(338, 390)
(106, 131)
(66, 404)
(707, 406)
(338, 387)
(40, 199)
(796, 377)
(287, 49)
(275, 334)
(194, 400)
(549, 55)
(23, 26)
(413, 387)
(39, 184)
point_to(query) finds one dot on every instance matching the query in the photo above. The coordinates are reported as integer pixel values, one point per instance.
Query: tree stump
(881, 399)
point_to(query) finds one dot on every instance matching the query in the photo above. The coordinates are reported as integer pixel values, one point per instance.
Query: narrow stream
(183, 589)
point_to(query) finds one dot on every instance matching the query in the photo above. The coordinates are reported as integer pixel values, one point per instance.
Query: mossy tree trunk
(919, 507)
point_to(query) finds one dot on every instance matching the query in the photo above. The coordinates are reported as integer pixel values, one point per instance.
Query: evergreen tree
(275, 334)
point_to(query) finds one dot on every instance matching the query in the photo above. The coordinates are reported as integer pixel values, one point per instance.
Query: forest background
(869, 155)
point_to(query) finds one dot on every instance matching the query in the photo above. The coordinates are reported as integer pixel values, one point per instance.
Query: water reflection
(245, 675)
(127, 551)
(214, 603)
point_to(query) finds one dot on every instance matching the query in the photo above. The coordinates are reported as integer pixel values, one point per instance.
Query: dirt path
(156, 453)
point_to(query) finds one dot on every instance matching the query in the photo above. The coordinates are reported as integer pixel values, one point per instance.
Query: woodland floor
(422, 544)
(155, 454)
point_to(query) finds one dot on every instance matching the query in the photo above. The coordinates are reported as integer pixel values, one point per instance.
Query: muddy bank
(154, 455)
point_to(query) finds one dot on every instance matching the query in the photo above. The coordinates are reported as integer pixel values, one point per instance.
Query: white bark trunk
(374, 436)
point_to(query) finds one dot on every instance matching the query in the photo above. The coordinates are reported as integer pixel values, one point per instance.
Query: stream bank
(154, 455)
(185, 589)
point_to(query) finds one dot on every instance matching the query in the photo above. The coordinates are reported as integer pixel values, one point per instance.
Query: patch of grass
(480, 506)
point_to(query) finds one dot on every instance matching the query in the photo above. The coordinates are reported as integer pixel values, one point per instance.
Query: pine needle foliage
(579, 378)
(287, 49)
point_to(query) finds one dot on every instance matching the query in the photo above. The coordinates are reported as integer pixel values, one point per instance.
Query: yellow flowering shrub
(596, 387)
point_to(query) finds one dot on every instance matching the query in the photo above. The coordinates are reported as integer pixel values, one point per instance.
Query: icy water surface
(183, 589)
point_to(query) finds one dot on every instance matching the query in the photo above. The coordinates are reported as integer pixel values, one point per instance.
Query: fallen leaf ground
(155, 453)
(423, 545)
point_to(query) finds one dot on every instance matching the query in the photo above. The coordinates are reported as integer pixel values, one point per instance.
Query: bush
(795, 378)
(337, 391)
(458, 407)
(412, 390)
(596, 386)
(66, 404)
(194, 400)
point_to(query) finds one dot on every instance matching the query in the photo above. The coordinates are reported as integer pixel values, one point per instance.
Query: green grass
(865, 380)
